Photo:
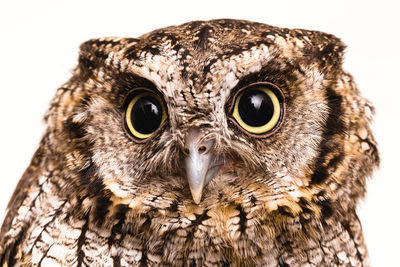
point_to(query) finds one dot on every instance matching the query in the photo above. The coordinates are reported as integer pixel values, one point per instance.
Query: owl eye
(145, 113)
(258, 109)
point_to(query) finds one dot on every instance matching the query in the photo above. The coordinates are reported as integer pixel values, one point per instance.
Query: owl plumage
(98, 193)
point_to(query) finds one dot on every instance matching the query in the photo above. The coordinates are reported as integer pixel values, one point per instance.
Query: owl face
(209, 115)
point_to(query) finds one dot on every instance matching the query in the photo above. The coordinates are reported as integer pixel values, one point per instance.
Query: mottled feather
(93, 196)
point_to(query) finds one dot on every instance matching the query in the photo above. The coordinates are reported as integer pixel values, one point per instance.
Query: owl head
(214, 120)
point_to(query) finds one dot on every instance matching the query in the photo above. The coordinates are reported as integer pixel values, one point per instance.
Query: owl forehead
(192, 79)
(195, 66)
(192, 63)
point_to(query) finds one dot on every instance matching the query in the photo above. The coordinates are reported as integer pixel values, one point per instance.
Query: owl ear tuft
(101, 52)
(326, 50)
(92, 54)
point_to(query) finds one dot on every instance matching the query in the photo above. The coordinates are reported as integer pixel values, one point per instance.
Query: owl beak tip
(196, 179)
(196, 195)
(197, 163)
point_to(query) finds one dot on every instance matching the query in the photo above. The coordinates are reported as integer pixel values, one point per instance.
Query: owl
(212, 143)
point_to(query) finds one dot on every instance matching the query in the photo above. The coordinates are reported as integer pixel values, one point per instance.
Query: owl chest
(55, 239)
(48, 233)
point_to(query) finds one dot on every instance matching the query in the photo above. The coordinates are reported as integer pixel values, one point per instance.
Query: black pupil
(255, 108)
(146, 115)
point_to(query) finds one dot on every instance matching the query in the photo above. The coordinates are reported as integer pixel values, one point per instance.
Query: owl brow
(274, 71)
(125, 82)
(266, 74)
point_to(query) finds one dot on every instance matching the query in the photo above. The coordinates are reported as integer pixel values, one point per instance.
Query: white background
(39, 46)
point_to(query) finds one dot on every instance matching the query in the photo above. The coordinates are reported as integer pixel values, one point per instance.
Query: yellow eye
(258, 109)
(145, 113)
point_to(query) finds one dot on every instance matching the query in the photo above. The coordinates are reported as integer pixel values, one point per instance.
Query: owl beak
(198, 162)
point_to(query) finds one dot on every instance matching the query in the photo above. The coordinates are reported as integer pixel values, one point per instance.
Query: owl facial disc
(200, 163)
